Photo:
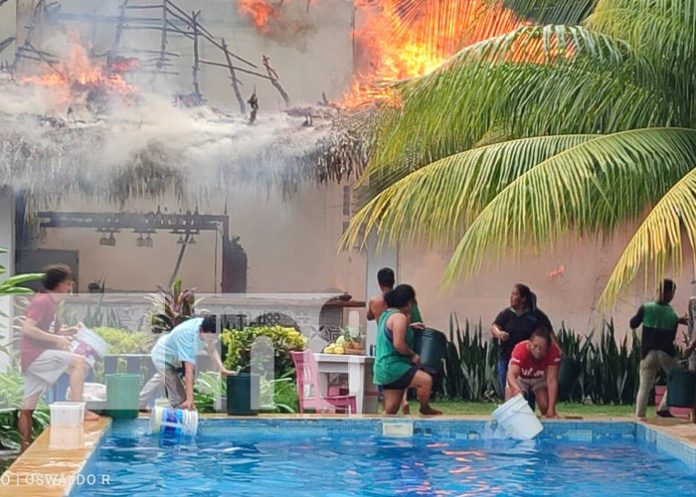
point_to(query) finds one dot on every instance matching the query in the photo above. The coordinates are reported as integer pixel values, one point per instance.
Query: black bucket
(243, 392)
(431, 346)
(568, 375)
(681, 388)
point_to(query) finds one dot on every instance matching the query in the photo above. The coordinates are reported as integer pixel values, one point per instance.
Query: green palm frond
(551, 11)
(586, 85)
(589, 188)
(437, 201)
(658, 240)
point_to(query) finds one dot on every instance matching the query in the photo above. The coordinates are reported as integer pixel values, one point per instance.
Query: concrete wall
(7, 240)
(567, 281)
(291, 247)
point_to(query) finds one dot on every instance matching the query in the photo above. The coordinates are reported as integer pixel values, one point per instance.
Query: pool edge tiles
(45, 471)
(677, 439)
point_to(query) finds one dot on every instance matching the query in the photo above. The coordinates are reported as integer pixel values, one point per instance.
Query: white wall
(7, 242)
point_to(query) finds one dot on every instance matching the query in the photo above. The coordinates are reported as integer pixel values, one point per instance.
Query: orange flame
(260, 12)
(400, 39)
(78, 75)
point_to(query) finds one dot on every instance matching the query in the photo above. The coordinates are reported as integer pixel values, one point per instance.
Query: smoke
(287, 22)
(148, 148)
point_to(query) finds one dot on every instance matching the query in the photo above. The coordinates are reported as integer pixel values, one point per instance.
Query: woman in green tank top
(396, 364)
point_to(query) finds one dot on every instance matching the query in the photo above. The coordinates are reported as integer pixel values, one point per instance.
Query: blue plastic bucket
(167, 420)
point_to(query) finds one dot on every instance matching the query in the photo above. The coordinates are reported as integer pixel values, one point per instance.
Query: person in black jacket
(516, 324)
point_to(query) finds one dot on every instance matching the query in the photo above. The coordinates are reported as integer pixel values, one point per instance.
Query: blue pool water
(340, 459)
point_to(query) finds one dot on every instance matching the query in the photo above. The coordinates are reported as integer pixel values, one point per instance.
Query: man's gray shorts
(45, 371)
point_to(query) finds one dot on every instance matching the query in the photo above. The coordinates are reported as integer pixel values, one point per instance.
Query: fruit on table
(330, 349)
(339, 350)
(340, 341)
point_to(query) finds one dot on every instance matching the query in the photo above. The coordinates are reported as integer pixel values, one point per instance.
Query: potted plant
(243, 389)
(353, 340)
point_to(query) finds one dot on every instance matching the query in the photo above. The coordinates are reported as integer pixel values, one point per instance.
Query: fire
(79, 76)
(400, 39)
(260, 12)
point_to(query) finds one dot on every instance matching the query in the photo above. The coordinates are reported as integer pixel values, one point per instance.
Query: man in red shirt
(534, 368)
(45, 345)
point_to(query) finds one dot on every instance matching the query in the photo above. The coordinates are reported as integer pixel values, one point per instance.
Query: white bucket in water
(517, 419)
(90, 345)
(176, 421)
(67, 414)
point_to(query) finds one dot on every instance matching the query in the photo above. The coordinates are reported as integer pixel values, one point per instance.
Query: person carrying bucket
(534, 367)
(376, 306)
(45, 349)
(515, 324)
(660, 323)
(396, 365)
(174, 356)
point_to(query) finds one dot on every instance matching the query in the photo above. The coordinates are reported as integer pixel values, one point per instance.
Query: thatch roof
(191, 152)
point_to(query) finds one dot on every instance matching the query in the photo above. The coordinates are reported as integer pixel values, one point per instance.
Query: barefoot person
(396, 365)
(657, 344)
(534, 367)
(376, 306)
(174, 356)
(514, 325)
(44, 349)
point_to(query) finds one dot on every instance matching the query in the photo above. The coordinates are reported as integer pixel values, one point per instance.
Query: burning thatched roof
(154, 147)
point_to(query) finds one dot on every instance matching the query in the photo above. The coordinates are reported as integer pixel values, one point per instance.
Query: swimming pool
(340, 458)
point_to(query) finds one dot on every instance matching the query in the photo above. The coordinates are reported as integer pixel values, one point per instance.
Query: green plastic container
(122, 392)
(681, 388)
(568, 375)
(243, 392)
(431, 346)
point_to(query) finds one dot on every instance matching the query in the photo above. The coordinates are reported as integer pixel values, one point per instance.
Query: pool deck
(47, 469)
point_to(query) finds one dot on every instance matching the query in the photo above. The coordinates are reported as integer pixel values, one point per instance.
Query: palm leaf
(658, 241)
(589, 188)
(437, 201)
(532, 82)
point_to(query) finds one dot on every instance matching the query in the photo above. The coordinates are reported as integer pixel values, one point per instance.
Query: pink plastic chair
(308, 390)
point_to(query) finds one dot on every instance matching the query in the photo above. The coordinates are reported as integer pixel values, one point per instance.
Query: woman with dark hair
(396, 364)
(516, 324)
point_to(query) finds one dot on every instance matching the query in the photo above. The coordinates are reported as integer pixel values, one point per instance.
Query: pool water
(291, 462)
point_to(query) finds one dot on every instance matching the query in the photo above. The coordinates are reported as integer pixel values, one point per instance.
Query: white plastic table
(359, 370)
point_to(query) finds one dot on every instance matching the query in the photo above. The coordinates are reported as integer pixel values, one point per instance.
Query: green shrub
(608, 368)
(11, 396)
(238, 343)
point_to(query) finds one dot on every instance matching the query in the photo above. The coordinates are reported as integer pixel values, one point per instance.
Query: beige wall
(291, 246)
(570, 297)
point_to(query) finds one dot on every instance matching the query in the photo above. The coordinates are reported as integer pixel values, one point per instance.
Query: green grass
(563, 409)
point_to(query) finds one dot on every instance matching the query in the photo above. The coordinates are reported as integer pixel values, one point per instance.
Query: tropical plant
(520, 139)
(237, 346)
(121, 342)
(608, 368)
(171, 307)
(11, 397)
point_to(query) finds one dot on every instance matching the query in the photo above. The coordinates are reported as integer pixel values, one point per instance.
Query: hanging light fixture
(148, 241)
(181, 240)
(140, 242)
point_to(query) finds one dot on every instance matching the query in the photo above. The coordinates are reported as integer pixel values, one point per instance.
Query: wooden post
(117, 36)
(196, 65)
(163, 43)
(233, 77)
(275, 79)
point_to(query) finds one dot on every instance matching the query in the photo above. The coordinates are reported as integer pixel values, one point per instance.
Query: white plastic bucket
(517, 419)
(90, 345)
(175, 421)
(67, 414)
(94, 392)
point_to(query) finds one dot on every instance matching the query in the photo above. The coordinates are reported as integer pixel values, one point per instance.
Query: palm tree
(520, 139)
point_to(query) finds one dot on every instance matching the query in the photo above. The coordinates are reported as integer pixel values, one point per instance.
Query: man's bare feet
(406, 409)
(92, 416)
(429, 411)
